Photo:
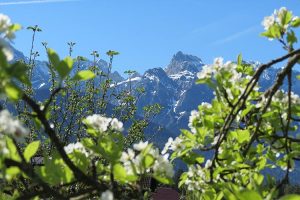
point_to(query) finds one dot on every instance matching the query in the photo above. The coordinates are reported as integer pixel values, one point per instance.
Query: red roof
(166, 194)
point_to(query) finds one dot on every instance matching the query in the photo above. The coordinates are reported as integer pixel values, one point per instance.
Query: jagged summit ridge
(183, 62)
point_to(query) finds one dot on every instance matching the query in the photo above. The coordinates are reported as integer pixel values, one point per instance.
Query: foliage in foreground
(244, 129)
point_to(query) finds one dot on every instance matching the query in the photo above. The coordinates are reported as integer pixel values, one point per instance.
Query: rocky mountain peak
(156, 72)
(183, 62)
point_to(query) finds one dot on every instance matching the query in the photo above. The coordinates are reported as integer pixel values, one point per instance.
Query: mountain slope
(173, 87)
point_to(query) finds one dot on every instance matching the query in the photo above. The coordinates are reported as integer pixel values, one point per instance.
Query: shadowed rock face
(183, 62)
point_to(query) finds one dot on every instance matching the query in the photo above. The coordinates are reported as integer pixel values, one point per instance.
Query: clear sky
(148, 32)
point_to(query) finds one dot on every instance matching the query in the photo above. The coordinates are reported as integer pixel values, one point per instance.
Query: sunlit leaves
(12, 92)
(119, 172)
(112, 53)
(239, 59)
(148, 160)
(296, 22)
(273, 32)
(15, 27)
(84, 75)
(164, 180)
(55, 171)
(63, 67)
(31, 150)
(13, 152)
(290, 197)
(11, 173)
(53, 57)
(109, 149)
(291, 38)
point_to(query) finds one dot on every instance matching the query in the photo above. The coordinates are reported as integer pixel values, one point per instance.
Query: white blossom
(6, 50)
(134, 164)
(5, 24)
(5, 32)
(101, 123)
(163, 166)
(218, 61)
(268, 22)
(140, 146)
(3, 149)
(177, 145)
(174, 145)
(216, 139)
(127, 156)
(280, 13)
(167, 145)
(205, 105)
(193, 116)
(208, 163)
(107, 195)
(195, 178)
(205, 72)
(116, 125)
(98, 122)
(70, 148)
(11, 126)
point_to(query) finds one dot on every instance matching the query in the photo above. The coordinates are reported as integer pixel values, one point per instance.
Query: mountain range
(173, 87)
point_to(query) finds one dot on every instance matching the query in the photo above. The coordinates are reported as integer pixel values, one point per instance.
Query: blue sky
(148, 33)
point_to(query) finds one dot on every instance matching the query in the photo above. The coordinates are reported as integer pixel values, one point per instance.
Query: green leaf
(110, 149)
(267, 114)
(188, 134)
(112, 53)
(31, 150)
(295, 23)
(12, 92)
(64, 67)
(247, 194)
(12, 149)
(247, 110)
(55, 171)
(81, 58)
(298, 77)
(79, 159)
(239, 59)
(243, 135)
(148, 161)
(119, 172)
(163, 180)
(286, 17)
(84, 75)
(11, 172)
(290, 197)
(272, 32)
(15, 27)
(3, 60)
(18, 71)
(291, 38)
(53, 57)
